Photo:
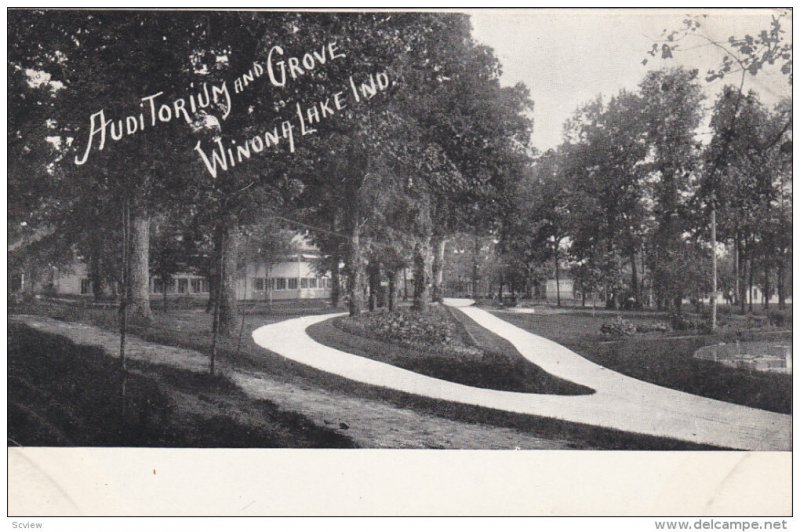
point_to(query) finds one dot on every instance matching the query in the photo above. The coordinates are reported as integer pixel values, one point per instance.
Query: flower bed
(432, 331)
(622, 327)
(438, 344)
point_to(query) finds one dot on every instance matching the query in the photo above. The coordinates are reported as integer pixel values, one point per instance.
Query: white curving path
(619, 402)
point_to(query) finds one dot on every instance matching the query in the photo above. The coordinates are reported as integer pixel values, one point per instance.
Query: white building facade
(294, 277)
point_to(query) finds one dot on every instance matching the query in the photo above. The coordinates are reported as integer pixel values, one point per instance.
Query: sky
(567, 57)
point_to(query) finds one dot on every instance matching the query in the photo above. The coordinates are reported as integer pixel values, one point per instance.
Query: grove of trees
(387, 183)
(381, 186)
(644, 187)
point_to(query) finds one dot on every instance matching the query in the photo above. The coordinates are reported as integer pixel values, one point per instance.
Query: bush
(681, 322)
(779, 318)
(618, 327)
(652, 327)
(19, 298)
(50, 290)
(434, 329)
(755, 321)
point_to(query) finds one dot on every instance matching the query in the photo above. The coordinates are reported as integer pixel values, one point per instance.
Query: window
(303, 283)
(258, 284)
(271, 283)
(183, 286)
(86, 286)
(158, 286)
(280, 283)
(197, 285)
(171, 286)
(323, 283)
(293, 283)
(312, 282)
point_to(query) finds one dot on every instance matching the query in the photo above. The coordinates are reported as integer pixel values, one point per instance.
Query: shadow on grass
(668, 361)
(62, 394)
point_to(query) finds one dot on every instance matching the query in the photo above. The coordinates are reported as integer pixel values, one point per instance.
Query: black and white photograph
(397, 229)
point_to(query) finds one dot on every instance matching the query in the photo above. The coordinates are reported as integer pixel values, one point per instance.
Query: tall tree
(741, 56)
(605, 155)
(671, 114)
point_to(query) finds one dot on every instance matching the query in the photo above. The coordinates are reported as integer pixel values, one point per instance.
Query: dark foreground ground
(62, 394)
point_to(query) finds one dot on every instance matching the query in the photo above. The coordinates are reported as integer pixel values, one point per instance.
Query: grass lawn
(496, 365)
(665, 359)
(190, 329)
(62, 394)
(578, 436)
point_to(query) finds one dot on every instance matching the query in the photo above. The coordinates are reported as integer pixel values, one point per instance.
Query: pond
(773, 356)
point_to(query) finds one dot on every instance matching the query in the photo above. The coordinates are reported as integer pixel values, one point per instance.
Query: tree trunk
(742, 280)
(558, 283)
(334, 266)
(29, 279)
(268, 291)
(139, 282)
(394, 281)
(713, 267)
(405, 285)
(645, 295)
(635, 289)
(736, 269)
(750, 281)
(335, 280)
(213, 278)
(767, 285)
(228, 304)
(423, 259)
(374, 282)
(781, 282)
(124, 282)
(164, 291)
(355, 271)
(437, 268)
(476, 252)
(95, 271)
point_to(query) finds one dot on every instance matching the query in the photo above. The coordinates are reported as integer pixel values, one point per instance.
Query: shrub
(681, 322)
(652, 327)
(434, 329)
(618, 327)
(779, 318)
(754, 321)
(19, 298)
(50, 290)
